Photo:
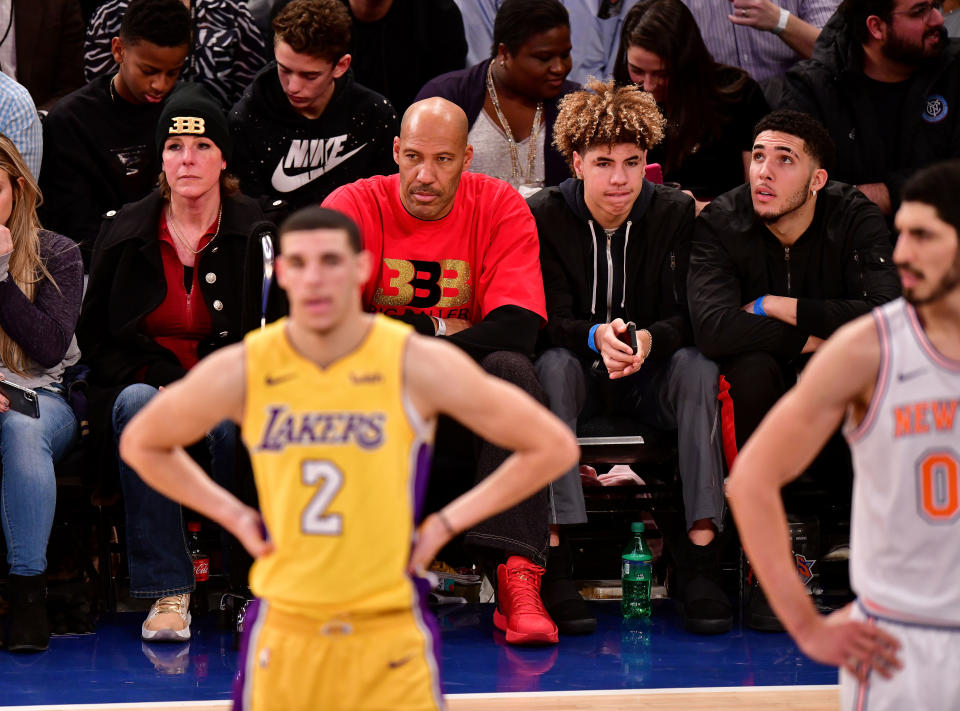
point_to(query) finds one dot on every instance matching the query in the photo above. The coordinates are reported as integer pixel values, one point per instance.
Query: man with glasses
(883, 80)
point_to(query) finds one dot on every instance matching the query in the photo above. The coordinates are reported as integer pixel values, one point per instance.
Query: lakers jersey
(340, 460)
(905, 527)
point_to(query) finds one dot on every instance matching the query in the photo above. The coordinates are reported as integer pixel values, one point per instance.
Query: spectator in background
(710, 108)
(511, 99)
(41, 47)
(455, 256)
(428, 34)
(40, 291)
(594, 31)
(20, 122)
(776, 267)
(305, 127)
(98, 141)
(168, 286)
(614, 248)
(226, 52)
(761, 37)
(884, 80)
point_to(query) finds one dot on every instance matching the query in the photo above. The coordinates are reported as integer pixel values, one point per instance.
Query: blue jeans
(157, 552)
(28, 497)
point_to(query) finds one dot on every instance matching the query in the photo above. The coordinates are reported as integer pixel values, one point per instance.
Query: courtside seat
(613, 439)
(652, 454)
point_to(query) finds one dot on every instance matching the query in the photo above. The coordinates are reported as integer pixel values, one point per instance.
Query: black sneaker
(760, 616)
(29, 624)
(702, 603)
(560, 596)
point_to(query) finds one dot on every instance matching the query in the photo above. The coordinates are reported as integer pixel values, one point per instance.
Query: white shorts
(928, 681)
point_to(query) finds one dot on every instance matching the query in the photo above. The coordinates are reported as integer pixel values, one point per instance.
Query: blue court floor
(114, 666)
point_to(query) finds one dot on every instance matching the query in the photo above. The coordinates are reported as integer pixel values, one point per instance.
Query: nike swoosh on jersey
(279, 378)
(910, 375)
(395, 663)
(284, 183)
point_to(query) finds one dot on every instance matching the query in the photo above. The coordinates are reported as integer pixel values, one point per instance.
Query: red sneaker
(520, 612)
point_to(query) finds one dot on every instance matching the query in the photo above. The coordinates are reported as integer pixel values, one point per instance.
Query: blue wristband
(758, 306)
(590, 342)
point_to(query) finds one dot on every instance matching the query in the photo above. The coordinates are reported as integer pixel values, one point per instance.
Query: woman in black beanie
(168, 285)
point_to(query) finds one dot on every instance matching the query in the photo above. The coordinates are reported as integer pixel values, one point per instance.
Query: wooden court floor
(783, 698)
(651, 664)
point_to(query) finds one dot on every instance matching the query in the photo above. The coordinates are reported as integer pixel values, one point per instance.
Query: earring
(814, 193)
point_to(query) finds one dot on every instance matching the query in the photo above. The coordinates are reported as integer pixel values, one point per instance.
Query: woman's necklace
(519, 178)
(179, 235)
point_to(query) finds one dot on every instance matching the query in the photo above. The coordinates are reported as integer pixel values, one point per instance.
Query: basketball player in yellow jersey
(336, 407)
(894, 376)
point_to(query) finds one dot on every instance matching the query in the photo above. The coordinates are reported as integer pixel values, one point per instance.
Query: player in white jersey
(895, 376)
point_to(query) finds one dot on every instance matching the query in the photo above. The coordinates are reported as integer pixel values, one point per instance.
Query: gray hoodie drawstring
(626, 241)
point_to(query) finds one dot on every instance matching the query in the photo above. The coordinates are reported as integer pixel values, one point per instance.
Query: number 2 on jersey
(328, 479)
(939, 480)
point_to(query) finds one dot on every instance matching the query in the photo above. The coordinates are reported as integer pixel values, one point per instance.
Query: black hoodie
(280, 154)
(637, 274)
(98, 155)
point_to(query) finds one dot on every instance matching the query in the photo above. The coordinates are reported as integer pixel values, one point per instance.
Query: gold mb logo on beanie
(187, 124)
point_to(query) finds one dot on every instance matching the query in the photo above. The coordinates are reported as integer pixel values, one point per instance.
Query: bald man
(456, 256)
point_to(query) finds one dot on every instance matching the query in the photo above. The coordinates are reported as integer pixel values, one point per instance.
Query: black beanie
(191, 111)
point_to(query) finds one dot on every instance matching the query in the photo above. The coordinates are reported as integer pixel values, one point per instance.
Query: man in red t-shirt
(457, 256)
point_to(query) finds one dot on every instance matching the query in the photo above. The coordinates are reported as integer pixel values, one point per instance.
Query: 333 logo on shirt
(423, 284)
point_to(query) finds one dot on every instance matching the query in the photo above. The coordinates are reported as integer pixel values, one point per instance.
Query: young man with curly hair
(614, 249)
(305, 127)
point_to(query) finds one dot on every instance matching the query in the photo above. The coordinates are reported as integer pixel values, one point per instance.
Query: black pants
(461, 460)
(757, 381)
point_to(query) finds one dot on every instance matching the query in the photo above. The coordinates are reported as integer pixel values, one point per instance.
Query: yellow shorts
(372, 663)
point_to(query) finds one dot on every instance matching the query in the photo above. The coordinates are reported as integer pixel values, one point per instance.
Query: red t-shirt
(484, 254)
(181, 320)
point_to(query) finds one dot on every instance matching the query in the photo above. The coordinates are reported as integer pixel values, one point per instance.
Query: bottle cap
(194, 526)
(637, 527)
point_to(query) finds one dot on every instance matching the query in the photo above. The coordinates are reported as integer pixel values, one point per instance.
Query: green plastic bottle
(637, 575)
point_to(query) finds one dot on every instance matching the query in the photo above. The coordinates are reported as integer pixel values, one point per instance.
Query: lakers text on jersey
(340, 460)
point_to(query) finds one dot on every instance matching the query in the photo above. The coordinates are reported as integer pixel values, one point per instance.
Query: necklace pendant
(530, 188)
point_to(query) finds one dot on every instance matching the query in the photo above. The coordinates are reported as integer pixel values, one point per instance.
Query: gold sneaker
(168, 621)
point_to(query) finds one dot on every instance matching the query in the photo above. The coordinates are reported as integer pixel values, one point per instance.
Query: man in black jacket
(98, 142)
(614, 248)
(305, 127)
(883, 80)
(778, 265)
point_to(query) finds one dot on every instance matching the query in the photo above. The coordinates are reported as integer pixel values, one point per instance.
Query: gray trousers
(677, 394)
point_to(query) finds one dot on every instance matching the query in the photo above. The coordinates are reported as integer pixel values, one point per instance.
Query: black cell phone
(23, 400)
(630, 336)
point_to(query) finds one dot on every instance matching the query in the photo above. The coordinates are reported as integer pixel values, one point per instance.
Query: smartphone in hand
(22, 400)
(629, 336)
